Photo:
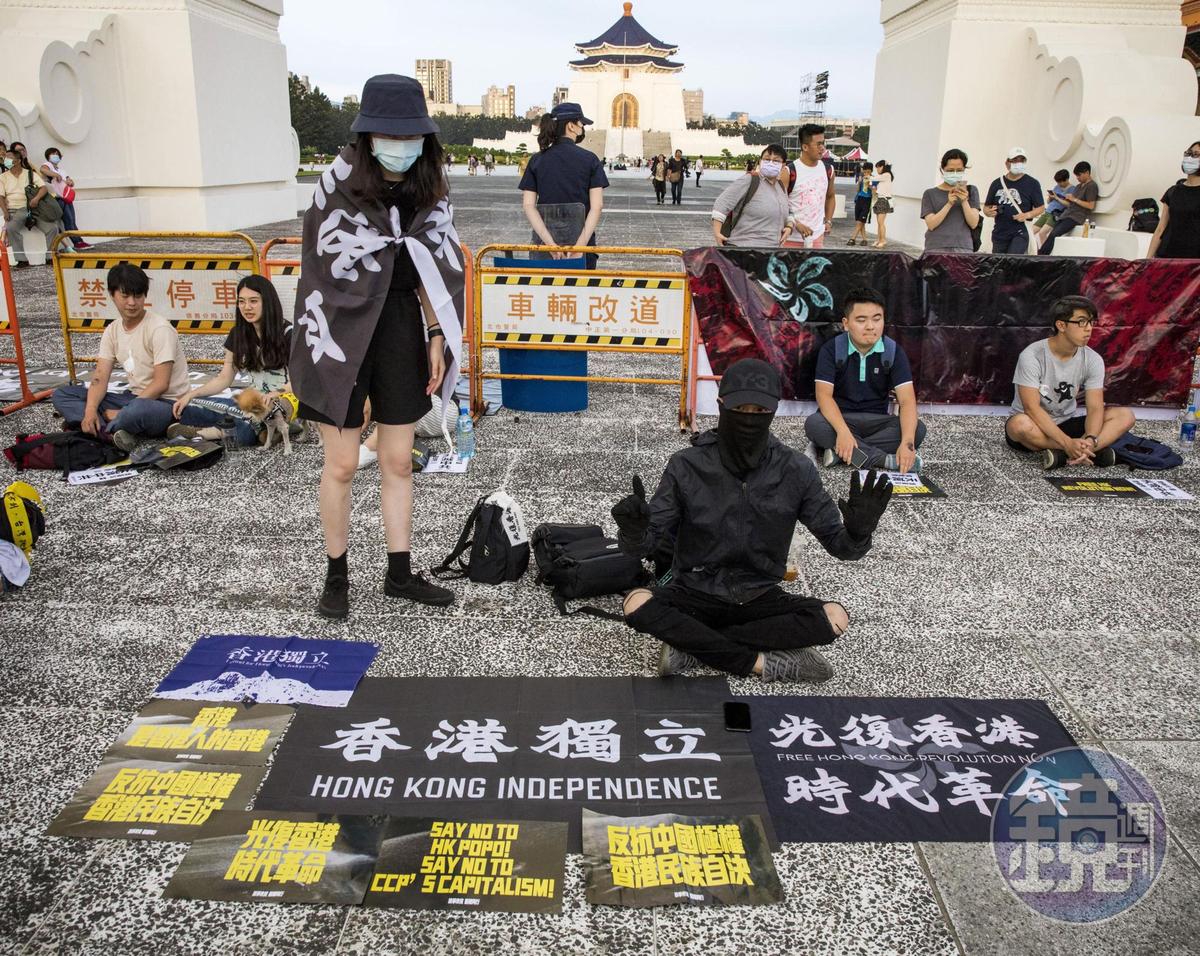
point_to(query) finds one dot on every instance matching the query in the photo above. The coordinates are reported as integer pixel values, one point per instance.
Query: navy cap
(570, 111)
(393, 105)
(750, 382)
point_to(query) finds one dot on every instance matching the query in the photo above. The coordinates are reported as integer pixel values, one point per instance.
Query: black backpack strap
(561, 603)
(448, 568)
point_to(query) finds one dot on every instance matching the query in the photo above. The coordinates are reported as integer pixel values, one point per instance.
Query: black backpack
(1148, 454)
(1145, 216)
(495, 536)
(578, 561)
(66, 451)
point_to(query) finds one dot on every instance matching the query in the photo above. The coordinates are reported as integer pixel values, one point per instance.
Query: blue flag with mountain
(269, 670)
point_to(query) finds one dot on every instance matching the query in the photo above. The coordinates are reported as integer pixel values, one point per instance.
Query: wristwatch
(1095, 440)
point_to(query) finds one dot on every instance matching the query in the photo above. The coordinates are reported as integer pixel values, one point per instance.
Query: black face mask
(742, 439)
(579, 138)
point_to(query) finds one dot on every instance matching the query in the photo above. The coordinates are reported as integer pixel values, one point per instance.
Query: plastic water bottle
(1194, 384)
(1187, 430)
(465, 434)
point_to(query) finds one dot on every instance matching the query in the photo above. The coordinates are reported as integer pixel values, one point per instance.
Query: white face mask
(770, 168)
(1190, 165)
(952, 177)
(1017, 169)
(396, 155)
(55, 158)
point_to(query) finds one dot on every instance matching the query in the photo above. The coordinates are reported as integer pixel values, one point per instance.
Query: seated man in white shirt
(1051, 376)
(147, 346)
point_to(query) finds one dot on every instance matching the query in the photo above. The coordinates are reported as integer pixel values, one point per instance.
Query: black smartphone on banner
(737, 716)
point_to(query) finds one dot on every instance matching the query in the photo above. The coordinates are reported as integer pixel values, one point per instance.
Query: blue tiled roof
(620, 59)
(626, 32)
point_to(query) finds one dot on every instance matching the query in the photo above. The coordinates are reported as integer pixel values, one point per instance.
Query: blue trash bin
(530, 395)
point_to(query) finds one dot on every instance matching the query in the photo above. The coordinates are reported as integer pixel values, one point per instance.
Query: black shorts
(394, 371)
(1072, 428)
(862, 208)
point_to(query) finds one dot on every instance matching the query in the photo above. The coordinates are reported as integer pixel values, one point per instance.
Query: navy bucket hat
(393, 105)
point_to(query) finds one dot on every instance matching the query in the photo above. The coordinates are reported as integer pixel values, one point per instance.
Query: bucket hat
(393, 105)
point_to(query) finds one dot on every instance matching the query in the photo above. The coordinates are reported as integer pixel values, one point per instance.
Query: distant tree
(862, 136)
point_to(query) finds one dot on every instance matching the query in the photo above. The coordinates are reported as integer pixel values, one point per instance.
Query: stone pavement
(1004, 589)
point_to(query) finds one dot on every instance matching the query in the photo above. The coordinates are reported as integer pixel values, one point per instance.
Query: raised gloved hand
(632, 515)
(866, 504)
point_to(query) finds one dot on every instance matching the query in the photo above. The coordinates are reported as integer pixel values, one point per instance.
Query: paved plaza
(1004, 589)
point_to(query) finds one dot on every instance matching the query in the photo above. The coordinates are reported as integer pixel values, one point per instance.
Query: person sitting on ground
(724, 513)
(257, 346)
(1050, 376)
(763, 220)
(147, 346)
(1081, 202)
(855, 372)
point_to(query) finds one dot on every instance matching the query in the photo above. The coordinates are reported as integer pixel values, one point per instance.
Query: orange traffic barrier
(10, 325)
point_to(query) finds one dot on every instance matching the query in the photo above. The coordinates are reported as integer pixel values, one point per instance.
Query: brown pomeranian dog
(276, 414)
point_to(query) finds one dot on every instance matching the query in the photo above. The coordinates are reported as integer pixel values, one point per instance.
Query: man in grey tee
(1051, 376)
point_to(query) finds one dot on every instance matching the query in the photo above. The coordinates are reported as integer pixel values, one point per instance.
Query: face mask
(1017, 169)
(742, 439)
(579, 138)
(55, 158)
(396, 155)
(953, 177)
(1190, 165)
(8, 163)
(770, 168)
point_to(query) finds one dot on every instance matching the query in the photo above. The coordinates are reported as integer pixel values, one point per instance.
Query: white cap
(1017, 151)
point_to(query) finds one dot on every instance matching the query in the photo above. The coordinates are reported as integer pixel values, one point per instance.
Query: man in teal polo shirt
(856, 372)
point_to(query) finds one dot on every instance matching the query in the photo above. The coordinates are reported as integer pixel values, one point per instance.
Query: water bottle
(1187, 430)
(1194, 384)
(465, 434)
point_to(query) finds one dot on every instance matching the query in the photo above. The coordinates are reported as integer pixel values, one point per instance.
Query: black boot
(335, 598)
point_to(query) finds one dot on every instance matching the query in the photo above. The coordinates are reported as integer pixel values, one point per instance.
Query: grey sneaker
(124, 440)
(892, 463)
(807, 664)
(672, 661)
(1053, 458)
(829, 458)
(209, 433)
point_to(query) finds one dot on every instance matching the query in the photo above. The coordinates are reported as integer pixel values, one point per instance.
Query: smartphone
(737, 716)
(858, 458)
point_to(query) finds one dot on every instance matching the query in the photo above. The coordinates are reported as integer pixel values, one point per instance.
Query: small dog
(276, 414)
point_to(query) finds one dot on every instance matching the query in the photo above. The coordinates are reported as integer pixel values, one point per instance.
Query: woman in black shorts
(386, 186)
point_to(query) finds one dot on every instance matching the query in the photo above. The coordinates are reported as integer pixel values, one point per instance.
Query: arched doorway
(625, 112)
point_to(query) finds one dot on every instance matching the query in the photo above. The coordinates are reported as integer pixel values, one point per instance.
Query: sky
(529, 42)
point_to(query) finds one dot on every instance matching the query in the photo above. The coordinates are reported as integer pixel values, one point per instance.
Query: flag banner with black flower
(961, 319)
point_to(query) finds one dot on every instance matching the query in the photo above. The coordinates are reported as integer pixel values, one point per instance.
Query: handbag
(674, 176)
(48, 210)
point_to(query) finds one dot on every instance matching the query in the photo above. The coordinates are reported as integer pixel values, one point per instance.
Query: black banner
(1093, 487)
(666, 858)
(203, 732)
(153, 799)
(961, 319)
(487, 866)
(894, 769)
(530, 748)
(279, 858)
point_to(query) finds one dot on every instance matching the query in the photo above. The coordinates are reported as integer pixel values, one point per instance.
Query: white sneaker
(366, 457)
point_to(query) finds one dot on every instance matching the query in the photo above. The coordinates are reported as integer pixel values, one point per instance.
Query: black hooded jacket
(731, 536)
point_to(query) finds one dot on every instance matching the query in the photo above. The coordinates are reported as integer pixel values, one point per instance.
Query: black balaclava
(742, 438)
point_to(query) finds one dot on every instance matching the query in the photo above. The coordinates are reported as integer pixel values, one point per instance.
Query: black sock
(337, 567)
(399, 569)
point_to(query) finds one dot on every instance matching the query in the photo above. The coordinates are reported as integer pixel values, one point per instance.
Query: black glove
(866, 505)
(632, 516)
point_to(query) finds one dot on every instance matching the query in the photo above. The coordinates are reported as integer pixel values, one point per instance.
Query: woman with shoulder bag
(951, 208)
(378, 315)
(26, 204)
(881, 186)
(63, 188)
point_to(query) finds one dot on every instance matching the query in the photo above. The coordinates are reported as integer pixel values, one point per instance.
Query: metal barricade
(10, 325)
(696, 377)
(285, 276)
(199, 296)
(648, 312)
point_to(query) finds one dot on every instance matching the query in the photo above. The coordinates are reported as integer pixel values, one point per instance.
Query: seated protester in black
(726, 507)
(855, 373)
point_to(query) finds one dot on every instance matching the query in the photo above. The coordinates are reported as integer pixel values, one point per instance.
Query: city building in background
(500, 101)
(693, 106)
(435, 76)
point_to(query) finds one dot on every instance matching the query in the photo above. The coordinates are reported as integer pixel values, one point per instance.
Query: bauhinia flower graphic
(796, 288)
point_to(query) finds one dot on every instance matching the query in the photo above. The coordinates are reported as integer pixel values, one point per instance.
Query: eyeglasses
(1082, 323)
